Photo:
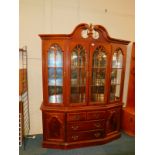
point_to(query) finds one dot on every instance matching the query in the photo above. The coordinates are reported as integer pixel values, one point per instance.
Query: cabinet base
(65, 145)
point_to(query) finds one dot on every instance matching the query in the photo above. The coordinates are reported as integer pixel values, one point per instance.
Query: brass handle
(75, 127)
(97, 134)
(75, 137)
(97, 125)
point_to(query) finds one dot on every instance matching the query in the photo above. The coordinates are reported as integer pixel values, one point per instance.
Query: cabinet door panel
(55, 74)
(54, 126)
(117, 74)
(78, 74)
(99, 62)
(113, 120)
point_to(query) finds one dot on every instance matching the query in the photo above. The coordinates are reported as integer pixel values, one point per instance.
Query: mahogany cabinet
(83, 78)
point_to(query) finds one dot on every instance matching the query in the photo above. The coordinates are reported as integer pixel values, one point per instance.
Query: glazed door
(54, 72)
(117, 74)
(78, 71)
(98, 72)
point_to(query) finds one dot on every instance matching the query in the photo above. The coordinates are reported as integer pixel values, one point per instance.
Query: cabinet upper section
(85, 67)
(86, 32)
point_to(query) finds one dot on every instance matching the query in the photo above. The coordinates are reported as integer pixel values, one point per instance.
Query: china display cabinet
(83, 78)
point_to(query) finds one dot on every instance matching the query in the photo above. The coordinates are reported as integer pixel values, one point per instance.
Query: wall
(61, 16)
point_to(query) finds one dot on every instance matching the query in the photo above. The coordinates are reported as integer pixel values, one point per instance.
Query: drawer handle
(75, 127)
(97, 134)
(75, 137)
(97, 125)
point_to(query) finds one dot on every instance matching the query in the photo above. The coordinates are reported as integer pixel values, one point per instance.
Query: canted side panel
(53, 126)
(113, 121)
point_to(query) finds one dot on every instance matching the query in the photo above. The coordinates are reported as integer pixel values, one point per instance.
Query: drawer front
(96, 115)
(78, 136)
(86, 125)
(76, 116)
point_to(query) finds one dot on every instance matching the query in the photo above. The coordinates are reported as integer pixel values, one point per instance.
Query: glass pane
(99, 57)
(59, 94)
(51, 90)
(51, 76)
(74, 76)
(55, 74)
(114, 92)
(78, 74)
(82, 58)
(82, 77)
(117, 60)
(59, 80)
(74, 58)
(98, 75)
(116, 75)
(51, 60)
(97, 93)
(59, 59)
(78, 94)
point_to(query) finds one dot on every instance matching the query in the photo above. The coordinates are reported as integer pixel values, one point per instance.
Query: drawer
(78, 136)
(86, 125)
(81, 116)
(96, 115)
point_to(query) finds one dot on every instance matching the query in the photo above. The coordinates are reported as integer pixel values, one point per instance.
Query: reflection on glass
(116, 75)
(51, 60)
(59, 57)
(117, 60)
(59, 77)
(78, 74)
(55, 99)
(74, 58)
(98, 74)
(55, 56)
(55, 74)
(51, 77)
(114, 92)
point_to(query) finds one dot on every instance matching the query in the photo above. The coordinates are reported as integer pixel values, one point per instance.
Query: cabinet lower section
(75, 127)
